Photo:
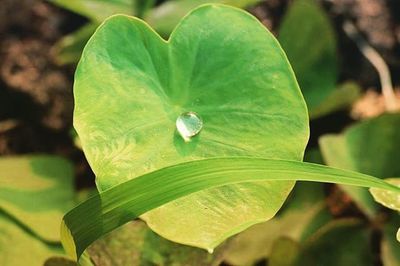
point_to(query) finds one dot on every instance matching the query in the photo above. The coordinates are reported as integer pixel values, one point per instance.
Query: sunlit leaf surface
(131, 86)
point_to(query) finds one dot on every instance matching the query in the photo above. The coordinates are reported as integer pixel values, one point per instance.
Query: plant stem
(391, 102)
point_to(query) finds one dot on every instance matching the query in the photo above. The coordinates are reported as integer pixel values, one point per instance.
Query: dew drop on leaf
(189, 124)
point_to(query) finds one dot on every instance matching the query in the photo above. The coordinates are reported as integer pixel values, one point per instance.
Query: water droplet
(189, 124)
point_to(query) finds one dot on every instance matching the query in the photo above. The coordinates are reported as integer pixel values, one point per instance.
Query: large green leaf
(309, 41)
(371, 147)
(37, 191)
(18, 247)
(221, 63)
(126, 201)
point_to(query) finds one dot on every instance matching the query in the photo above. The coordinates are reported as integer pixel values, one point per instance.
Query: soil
(36, 100)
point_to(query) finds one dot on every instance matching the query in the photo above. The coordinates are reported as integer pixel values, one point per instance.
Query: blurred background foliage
(44, 172)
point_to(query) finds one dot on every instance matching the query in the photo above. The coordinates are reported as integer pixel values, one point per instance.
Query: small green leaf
(313, 155)
(390, 247)
(398, 235)
(309, 41)
(144, 6)
(284, 252)
(221, 63)
(18, 247)
(340, 98)
(339, 243)
(98, 10)
(126, 201)
(59, 261)
(387, 198)
(135, 244)
(37, 191)
(69, 49)
(303, 213)
(166, 16)
(371, 147)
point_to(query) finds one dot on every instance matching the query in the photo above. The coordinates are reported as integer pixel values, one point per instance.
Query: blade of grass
(127, 201)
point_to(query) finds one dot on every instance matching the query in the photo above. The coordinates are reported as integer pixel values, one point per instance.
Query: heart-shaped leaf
(221, 63)
(371, 147)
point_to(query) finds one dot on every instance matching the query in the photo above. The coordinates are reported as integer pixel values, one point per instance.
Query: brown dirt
(36, 100)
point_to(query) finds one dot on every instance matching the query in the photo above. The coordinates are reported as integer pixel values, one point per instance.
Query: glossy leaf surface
(131, 86)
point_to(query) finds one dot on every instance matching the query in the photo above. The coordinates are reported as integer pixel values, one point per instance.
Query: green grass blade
(126, 201)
